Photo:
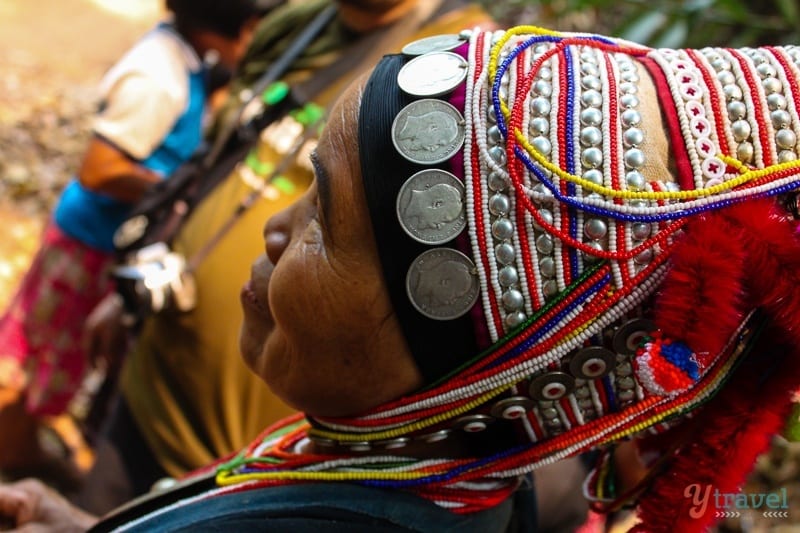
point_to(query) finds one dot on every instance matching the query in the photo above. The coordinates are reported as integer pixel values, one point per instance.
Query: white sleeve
(138, 114)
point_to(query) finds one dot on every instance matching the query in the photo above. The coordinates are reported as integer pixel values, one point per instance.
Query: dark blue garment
(334, 507)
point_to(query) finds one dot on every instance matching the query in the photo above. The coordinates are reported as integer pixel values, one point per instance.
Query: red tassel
(751, 246)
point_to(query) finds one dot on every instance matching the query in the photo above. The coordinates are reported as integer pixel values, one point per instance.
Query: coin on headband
(442, 284)
(433, 74)
(428, 131)
(430, 206)
(436, 43)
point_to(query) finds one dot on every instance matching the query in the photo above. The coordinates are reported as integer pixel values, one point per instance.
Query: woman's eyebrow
(323, 187)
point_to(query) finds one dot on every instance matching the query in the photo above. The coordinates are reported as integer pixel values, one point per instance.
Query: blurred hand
(31, 507)
(105, 335)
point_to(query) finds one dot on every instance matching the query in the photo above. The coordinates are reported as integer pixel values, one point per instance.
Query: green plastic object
(275, 93)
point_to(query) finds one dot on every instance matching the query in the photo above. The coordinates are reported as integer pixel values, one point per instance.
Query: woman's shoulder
(312, 507)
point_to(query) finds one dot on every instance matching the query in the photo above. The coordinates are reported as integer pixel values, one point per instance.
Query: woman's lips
(255, 290)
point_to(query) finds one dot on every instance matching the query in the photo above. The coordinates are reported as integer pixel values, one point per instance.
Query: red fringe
(743, 257)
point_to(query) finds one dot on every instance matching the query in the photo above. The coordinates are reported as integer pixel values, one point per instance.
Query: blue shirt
(91, 217)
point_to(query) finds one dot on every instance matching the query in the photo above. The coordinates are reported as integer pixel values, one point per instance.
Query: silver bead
(720, 64)
(635, 180)
(634, 158)
(776, 101)
(591, 136)
(644, 257)
(508, 276)
(736, 110)
(547, 217)
(633, 137)
(772, 85)
(626, 395)
(490, 114)
(512, 300)
(543, 88)
(732, 92)
(588, 57)
(497, 182)
(741, 130)
(514, 319)
(549, 413)
(585, 403)
(505, 253)
(540, 107)
(494, 136)
(589, 70)
(502, 229)
(592, 157)
(539, 126)
(725, 77)
(593, 175)
(465, 35)
(745, 152)
(628, 101)
(784, 156)
(591, 117)
(592, 98)
(591, 82)
(597, 247)
(638, 203)
(547, 267)
(786, 139)
(542, 145)
(545, 73)
(595, 228)
(765, 70)
(641, 230)
(780, 118)
(627, 87)
(623, 370)
(549, 288)
(630, 76)
(499, 204)
(544, 244)
(626, 383)
(631, 117)
(498, 153)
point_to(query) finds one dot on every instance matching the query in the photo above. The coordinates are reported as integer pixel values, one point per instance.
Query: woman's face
(319, 327)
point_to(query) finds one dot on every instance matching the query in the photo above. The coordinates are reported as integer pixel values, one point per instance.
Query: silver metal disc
(433, 74)
(442, 284)
(430, 206)
(436, 43)
(428, 131)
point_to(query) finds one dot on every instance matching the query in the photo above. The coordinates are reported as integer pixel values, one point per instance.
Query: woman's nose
(276, 235)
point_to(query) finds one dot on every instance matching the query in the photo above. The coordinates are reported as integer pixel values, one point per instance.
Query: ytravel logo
(731, 505)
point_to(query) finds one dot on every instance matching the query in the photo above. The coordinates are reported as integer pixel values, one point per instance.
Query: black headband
(438, 347)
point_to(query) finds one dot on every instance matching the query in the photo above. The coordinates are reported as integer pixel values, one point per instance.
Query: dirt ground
(52, 54)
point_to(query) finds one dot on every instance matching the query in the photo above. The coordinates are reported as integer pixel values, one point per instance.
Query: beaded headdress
(583, 238)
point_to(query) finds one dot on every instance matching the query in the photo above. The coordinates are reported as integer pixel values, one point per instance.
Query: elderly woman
(625, 255)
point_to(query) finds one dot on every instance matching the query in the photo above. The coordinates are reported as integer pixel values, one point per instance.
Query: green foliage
(667, 23)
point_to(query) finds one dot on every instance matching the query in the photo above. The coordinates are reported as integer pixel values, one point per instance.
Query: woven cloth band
(438, 347)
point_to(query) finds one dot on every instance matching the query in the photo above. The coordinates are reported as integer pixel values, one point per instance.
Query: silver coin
(436, 43)
(430, 206)
(433, 74)
(428, 131)
(442, 284)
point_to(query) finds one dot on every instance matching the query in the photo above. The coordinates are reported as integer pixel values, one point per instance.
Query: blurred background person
(150, 121)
